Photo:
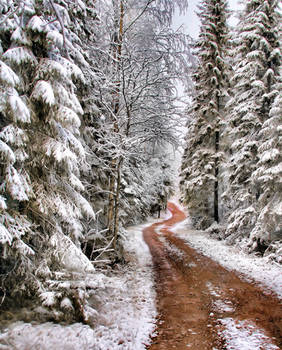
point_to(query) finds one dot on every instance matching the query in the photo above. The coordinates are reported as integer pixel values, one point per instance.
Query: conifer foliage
(200, 174)
(245, 124)
(44, 207)
(254, 123)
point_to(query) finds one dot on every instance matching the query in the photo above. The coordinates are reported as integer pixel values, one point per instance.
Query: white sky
(191, 21)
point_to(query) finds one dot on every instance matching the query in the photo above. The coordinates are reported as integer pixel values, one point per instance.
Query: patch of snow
(214, 291)
(143, 322)
(20, 55)
(55, 37)
(223, 306)
(166, 215)
(43, 91)
(158, 229)
(48, 298)
(5, 235)
(219, 305)
(70, 257)
(20, 37)
(7, 75)
(173, 250)
(67, 116)
(244, 335)
(6, 153)
(16, 184)
(37, 24)
(20, 110)
(47, 336)
(3, 204)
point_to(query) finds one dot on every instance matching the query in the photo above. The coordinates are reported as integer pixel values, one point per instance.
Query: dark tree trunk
(216, 171)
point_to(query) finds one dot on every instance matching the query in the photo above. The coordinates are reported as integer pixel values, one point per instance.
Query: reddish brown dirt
(188, 285)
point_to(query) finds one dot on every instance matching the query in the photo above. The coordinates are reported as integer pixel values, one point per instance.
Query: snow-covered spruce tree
(37, 42)
(268, 175)
(15, 189)
(201, 164)
(256, 84)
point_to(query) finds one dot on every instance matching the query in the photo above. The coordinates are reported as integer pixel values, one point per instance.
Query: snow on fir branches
(233, 148)
(253, 123)
(201, 167)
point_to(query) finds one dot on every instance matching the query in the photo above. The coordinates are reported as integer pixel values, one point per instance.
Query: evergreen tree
(200, 173)
(42, 181)
(268, 177)
(15, 186)
(256, 83)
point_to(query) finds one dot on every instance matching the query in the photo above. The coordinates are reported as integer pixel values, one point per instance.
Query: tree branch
(62, 26)
(11, 13)
(140, 15)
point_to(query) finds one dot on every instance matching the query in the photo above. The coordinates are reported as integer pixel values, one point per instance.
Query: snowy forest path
(203, 306)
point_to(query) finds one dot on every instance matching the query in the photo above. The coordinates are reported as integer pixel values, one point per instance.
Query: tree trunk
(216, 171)
(117, 196)
(114, 182)
(111, 198)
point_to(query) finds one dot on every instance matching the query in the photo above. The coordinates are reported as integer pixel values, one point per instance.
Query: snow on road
(244, 335)
(235, 329)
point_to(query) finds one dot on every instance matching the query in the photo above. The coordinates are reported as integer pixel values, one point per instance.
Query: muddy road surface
(203, 306)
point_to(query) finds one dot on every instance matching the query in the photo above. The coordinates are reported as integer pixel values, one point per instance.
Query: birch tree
(137, 100)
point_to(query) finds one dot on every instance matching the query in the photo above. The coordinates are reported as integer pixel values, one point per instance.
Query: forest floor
(202, 305)
(186, 291)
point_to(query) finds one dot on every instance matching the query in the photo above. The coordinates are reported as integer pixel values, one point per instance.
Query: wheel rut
(196, 297)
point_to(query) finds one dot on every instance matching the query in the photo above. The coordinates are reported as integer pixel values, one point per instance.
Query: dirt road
(203, 306)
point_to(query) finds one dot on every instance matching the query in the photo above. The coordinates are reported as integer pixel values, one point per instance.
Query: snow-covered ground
(250, 267)
(126, 311)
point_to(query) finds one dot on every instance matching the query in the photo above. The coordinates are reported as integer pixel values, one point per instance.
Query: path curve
(199, 301)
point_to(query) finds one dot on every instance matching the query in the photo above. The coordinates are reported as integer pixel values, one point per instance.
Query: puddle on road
(195, 294)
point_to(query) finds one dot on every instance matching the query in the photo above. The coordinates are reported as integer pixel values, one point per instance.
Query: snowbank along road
(201, 305)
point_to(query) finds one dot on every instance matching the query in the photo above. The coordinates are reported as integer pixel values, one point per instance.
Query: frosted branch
(105, 249)
(140, 15)
(11, 13)
(62, 26)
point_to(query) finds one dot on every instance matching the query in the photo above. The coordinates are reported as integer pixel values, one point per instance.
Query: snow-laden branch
(62, 27)
(11, 13)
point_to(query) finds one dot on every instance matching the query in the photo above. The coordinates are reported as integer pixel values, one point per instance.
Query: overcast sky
(190, 19)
